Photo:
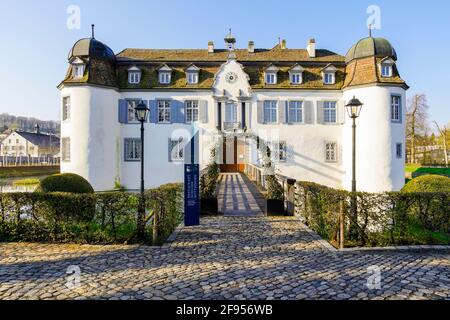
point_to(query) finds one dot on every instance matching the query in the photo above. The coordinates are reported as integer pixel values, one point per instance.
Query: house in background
(29, 144)
(293, 99)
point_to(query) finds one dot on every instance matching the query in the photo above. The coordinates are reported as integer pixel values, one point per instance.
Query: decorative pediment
(271, 68)
(296, 68)
(134, 69)
(231, 80)
(329, 68)
(164, 68)
(387, 61)
(192, 68)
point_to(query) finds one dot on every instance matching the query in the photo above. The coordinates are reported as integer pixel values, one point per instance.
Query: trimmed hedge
(393, 218)
(97, 218)
(65, 182)
(428, 183)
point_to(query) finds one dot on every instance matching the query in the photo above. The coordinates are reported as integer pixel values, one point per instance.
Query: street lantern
(354, 107)
(141, 111)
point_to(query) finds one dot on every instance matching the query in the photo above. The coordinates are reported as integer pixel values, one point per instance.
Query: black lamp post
(141, 111)
(354, 109)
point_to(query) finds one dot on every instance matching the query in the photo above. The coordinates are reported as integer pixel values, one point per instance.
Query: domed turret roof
(369, 47)
(90, 47)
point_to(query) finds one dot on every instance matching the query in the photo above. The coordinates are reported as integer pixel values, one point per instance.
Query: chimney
(37, 128)
(311, 48)
(210, 47)
(283, 44)
(251, 47)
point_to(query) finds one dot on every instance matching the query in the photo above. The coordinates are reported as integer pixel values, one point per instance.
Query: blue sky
(36, 41)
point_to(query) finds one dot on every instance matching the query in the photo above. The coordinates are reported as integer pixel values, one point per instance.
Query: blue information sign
(191, 195)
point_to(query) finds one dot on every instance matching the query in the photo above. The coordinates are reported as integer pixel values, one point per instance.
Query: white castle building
(294, 99)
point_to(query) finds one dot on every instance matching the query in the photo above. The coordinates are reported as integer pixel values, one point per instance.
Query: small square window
(271, 78)
(328, 78)
(191, 111)
(295, 112)
(296, 78)
(331, 152)
(386, 70)
(164, 77)
(192, 77)
(134, 77)
(78, 71)
(132, 149)
(399, 150)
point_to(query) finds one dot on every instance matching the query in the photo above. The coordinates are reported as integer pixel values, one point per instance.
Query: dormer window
(296, 74)
(78, 67)
(270, 74)
(192, 72)
(134, 75)
(386, 66)
(329, 74)
(164, 74)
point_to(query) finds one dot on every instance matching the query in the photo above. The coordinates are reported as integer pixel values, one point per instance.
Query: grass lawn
(15, 172)
(428, 170)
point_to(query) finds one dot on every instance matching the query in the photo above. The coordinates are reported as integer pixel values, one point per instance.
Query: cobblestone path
(224, 258)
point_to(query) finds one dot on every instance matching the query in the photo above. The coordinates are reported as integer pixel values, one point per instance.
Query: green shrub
(428, 183)
(209, 180)
(65, 182)
(274, 188)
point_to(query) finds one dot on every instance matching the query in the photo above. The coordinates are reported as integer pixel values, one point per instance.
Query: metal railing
(232, 125)
(19, 161)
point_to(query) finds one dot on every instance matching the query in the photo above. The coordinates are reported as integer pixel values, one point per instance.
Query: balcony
(229, 126)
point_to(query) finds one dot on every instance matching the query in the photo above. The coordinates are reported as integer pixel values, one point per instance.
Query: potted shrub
(275, 197)
(208, 195)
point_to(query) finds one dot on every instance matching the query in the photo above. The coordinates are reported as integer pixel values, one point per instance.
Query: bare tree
(443, 131)
(417, 116)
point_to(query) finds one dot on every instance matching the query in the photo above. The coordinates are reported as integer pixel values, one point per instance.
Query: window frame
(296, 74)
(335, 150)
(65, 149)
(270, 75)
(162, 77)
(180, 147)
(329, 74)
(282, 151)
(301, 109)
(399, 150)
(191, 106)
(327, 110)
(194, 74)
(385, 66)
(398, 107)
(78, 71)
(134, 77)
(66, 108)
(270, 106)
(164, 106)
(133, 120)
(136, 144)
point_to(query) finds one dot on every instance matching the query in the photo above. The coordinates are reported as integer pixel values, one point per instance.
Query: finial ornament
(370, 30)
(93, 30)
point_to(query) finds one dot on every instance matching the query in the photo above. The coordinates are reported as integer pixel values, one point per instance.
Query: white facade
(97, 137)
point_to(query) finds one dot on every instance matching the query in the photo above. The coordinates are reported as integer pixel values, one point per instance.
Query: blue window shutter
(123, 111)
(153, 112)
(174, 106)
(181, 112)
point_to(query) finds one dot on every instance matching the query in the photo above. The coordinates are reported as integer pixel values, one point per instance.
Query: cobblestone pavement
(225, 258)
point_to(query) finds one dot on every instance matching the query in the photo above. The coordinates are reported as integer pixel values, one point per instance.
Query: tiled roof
(40, 139)
(242, 55)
